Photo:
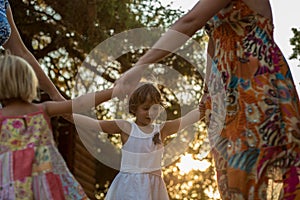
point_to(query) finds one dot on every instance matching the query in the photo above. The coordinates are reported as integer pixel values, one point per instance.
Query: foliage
(295, 42)
(62, 35)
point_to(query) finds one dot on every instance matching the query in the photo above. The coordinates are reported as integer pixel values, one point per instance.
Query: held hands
(202, 110)
(128, 82)
(202, 106)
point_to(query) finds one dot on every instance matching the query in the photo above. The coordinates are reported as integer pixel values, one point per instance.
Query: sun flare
(188, 163)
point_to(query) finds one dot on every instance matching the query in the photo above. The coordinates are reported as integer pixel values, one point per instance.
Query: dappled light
(187, 164)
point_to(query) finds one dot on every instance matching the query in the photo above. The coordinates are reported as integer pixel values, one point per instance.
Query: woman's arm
(16, 47)
(174, 38)
(182, 30)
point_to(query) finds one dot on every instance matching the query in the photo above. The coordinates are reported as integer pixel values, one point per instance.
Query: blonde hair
(17, 79)
(141, 94)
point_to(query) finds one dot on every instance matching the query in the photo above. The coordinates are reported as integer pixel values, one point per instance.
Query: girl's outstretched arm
(89, 128)
(173, 126)
(106, 126)
(79, 104)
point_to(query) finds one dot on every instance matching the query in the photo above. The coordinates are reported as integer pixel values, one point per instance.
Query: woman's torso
(254, 124)
(261, 102)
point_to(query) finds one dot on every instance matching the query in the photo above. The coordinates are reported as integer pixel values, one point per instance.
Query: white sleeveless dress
(140, 176)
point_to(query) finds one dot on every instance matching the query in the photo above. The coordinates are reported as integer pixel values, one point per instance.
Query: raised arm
(174, 38)
(16, 47)
(182, 30)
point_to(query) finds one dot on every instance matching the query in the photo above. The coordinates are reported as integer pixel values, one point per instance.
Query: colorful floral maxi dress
(256, 153)
(30, 165)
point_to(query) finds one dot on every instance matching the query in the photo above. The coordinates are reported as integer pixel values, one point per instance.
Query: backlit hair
(17, 79)
(146, 91)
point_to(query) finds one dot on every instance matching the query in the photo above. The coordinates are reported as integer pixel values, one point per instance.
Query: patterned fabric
(257, 153)
(5, 30)
(30, 165)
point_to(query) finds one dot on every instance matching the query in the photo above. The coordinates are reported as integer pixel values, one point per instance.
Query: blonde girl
(30, 164)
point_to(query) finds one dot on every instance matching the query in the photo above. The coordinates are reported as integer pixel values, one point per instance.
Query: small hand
(202, 106)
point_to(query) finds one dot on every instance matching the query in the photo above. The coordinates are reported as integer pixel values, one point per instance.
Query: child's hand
(202, 106)
(202, 110)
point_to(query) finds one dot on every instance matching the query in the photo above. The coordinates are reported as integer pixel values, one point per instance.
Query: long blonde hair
(17, 79)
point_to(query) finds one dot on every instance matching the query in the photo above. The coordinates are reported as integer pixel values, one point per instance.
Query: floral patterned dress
(256, 151)
(30, 165)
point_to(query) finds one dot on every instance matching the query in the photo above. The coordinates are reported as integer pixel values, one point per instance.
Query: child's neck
(143, 124)
(11, 102)
(16, 107)
(146, 128)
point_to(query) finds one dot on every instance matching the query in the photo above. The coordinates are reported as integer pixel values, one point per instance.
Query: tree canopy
(295, 42)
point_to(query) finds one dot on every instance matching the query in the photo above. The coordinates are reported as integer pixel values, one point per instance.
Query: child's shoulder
(125, 125)
(21, 110)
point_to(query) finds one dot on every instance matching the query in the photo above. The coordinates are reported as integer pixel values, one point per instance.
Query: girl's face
(146, 113)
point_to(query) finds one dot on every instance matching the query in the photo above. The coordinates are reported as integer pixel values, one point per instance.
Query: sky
(285, 15)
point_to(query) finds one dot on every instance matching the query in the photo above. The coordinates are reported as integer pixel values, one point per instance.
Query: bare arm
(174, 126)
(88, 126)
(175, 37)
(16, 46)
(106, 126)
(182, 30)
(79, 104)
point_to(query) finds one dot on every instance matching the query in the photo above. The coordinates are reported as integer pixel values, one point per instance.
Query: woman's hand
(128, 82)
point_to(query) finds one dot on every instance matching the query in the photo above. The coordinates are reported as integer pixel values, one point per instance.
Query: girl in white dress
(140, 176)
